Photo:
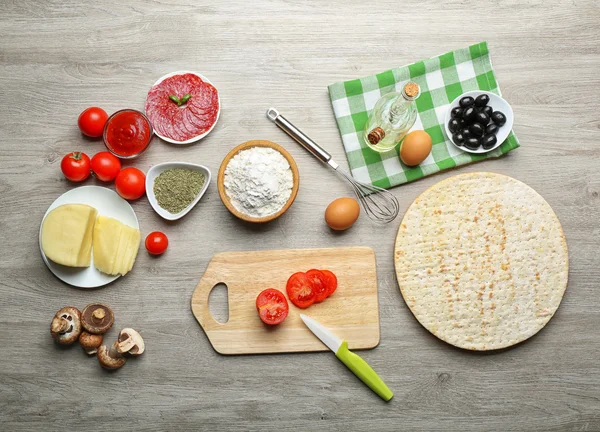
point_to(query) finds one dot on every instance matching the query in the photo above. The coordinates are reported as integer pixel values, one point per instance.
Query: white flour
(258, 181)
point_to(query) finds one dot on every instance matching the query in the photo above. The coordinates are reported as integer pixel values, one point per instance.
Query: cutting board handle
(200, 304)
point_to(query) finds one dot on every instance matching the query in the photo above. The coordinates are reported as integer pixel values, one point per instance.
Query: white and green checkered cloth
(441, 79)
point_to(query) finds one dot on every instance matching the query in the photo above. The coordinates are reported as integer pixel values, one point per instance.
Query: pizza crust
(481, 261)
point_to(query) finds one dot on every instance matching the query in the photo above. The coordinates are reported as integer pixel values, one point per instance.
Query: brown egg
(342, 213)
(415, 148)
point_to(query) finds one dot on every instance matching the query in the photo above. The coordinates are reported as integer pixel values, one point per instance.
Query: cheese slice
(115, 246)
(120, 258)
(67, 234)
(132, 250)
(107, 234)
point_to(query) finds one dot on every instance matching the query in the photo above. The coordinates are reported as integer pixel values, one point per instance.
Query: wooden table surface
(59, 57)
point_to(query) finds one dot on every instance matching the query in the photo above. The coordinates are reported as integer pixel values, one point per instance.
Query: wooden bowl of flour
(227, 200)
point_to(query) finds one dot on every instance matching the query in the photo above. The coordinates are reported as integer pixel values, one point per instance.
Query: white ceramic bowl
(197, 137)
(156, 170)
(498, 104)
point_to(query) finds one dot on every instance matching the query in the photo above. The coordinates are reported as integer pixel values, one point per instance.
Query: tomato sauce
(127, 133)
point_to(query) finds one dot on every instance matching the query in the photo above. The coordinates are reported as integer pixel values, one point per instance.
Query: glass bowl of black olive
(478, 121)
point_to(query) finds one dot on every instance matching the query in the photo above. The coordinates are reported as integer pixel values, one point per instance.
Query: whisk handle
(298, 135)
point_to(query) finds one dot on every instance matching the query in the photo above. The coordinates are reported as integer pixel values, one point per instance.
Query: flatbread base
(481, 261)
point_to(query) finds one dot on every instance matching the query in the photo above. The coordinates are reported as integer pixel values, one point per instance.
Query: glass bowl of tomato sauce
(127, 133)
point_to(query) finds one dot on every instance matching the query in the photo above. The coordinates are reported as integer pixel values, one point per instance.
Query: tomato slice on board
(330, 281)
(272, 306)
(300, 290)
(319, 283)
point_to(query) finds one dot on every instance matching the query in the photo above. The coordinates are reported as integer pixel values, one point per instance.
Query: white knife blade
(323, 333)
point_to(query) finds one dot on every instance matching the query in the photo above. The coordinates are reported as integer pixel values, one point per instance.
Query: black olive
(476, 130)
(492, 128)
(482, 118)
(469, 114)
(467, 101)
(488, 110)
(472, 143)
(489, 141)
(456, 112)
(453, 125)
(465, 132)
(458, 139)
(482, 100)
(498, 118)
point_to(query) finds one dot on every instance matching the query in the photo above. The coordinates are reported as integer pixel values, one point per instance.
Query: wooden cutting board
(352, 312)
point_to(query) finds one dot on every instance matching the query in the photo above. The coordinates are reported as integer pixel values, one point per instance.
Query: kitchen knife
(357, 365)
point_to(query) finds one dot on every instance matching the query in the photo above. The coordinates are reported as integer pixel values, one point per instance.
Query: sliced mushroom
(90, 342)
(66, 325)
(110, 358)
(131, 342)
(97, 318)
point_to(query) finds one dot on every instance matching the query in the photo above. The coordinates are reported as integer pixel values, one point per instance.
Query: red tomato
(131, 183)
(330, 281)
(272, 306)
(300, 290)
(106, 166)
(91, 121)
(157, 243)
(319, 284)
(75, 166)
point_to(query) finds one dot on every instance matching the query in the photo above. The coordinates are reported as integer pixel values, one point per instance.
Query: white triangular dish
(156, 170)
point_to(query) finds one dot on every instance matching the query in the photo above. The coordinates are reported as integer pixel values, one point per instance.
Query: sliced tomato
(330, 281)
(272, 306)
(300, 290)
(319, 283)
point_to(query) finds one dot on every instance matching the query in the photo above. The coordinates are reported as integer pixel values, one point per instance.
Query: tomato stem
(76, 155)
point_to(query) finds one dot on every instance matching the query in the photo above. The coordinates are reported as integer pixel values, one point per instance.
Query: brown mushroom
(131, 342)
(110, 358)
(66, 325)
(90, 342)
(97, 318)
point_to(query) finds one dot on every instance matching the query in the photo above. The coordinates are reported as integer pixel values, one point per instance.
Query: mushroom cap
(97, 318)
(109, 358)
(90, 342)
(131, 342)
(65, 327)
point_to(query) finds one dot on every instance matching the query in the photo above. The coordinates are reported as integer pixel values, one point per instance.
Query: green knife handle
(361, 369)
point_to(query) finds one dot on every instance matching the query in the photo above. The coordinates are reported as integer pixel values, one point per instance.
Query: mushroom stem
(125, 345)
(60, 325)
(99, 314)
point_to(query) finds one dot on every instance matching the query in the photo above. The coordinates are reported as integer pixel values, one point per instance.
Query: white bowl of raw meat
(183, 107)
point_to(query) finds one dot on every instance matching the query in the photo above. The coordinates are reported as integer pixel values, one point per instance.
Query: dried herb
(176, 188)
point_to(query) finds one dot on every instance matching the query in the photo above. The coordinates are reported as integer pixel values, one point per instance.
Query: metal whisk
(379, 204)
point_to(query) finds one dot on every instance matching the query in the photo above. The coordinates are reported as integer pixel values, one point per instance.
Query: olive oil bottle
(392, 117)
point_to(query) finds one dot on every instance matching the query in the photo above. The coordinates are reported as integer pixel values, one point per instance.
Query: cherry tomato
(300, 290)
(91, 121)
(157, 243)
(272, 306)
(319, 283)
(330, 281)
(106, 166)
(75, 166)
(131, 183)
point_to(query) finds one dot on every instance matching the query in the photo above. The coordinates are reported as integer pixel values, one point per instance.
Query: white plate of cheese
(107, 203)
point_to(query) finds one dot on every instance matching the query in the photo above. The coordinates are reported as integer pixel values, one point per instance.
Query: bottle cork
(411, 89)
(376, 135)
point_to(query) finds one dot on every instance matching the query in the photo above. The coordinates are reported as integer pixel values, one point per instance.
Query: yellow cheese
(124, 240)
(67, 234)
(132, 250)
(107, 233)
(115, 246)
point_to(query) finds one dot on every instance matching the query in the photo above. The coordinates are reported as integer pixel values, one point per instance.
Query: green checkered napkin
(441, 79)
